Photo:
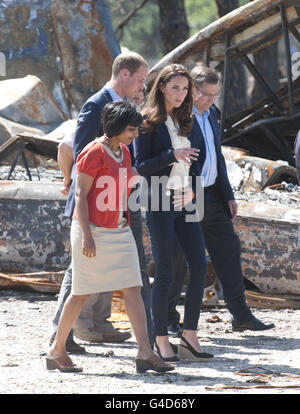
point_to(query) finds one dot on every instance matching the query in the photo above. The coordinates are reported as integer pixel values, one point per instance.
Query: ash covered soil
(249, 362)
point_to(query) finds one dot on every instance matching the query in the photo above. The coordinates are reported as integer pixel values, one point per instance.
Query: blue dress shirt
(209, 170)
(114, 96)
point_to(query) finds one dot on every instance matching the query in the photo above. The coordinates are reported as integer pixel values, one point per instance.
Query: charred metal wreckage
(258, 145)
(268, 128)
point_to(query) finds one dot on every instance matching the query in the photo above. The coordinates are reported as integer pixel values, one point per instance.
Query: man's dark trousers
(224, 249)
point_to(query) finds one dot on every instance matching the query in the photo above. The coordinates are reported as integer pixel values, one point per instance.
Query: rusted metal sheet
(34, 234)
(247, 24)
(34, 237)
(29, 102)
(261, 300)
(258, 173)
(268, 128)
(45, 282)
(31, 143)
(270, 256)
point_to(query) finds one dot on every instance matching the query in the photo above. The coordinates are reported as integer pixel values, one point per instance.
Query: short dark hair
(128, 60)
(116, 116)
(201, 73)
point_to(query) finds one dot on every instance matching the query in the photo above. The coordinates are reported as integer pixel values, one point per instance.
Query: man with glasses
(220, 207)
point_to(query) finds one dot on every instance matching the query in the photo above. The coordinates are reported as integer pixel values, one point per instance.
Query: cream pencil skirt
(115, 266)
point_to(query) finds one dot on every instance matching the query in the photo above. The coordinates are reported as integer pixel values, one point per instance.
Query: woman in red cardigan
(104, 252)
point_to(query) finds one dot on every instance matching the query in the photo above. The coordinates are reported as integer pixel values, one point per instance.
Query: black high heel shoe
(189, 353)
(168, 359)
(153, 363)
(175, 348)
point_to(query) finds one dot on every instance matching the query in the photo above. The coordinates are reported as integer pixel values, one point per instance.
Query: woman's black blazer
(154, 154)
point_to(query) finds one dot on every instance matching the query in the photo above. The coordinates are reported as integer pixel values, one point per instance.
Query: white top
(109, 151)
(179, 176)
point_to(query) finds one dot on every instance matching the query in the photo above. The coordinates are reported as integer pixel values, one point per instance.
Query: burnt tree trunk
(226, 6)
(236, 92)
(174, 27)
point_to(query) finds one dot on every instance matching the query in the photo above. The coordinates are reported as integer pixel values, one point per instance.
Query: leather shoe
(94, 336)
(153, 363)
(174, 330)
(116, 336)
(167, 359)
(71, 347)
(88, 335)
(252, 324)
(63, 363)
(188, 352)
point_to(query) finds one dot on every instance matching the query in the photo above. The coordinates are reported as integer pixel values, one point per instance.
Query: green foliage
(142, 33)
(200, 14)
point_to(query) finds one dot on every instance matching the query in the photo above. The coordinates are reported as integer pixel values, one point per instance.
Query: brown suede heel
(64, 364)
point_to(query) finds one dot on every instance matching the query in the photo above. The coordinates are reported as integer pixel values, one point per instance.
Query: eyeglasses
(208, 95)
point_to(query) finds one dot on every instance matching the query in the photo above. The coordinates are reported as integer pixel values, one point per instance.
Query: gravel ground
(271, 359)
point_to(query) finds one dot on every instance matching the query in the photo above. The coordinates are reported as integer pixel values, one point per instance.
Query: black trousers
(163, 226)
(224, 248)
(180, 267)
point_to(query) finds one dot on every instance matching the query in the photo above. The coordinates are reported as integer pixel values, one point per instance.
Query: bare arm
(83, 185)
(65, 163)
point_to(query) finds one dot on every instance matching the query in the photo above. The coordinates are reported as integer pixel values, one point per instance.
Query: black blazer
(88, 128)
(154, 156)
(222, 182)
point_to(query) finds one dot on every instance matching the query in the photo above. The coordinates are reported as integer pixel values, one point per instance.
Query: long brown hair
(154, 110)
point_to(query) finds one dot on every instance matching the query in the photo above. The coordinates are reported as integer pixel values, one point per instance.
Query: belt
(210, 187)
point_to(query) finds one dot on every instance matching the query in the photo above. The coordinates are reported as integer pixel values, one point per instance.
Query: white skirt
(115, 266)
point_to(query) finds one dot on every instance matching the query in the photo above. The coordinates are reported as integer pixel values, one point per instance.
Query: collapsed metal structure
(277, 118)
(267, 129)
